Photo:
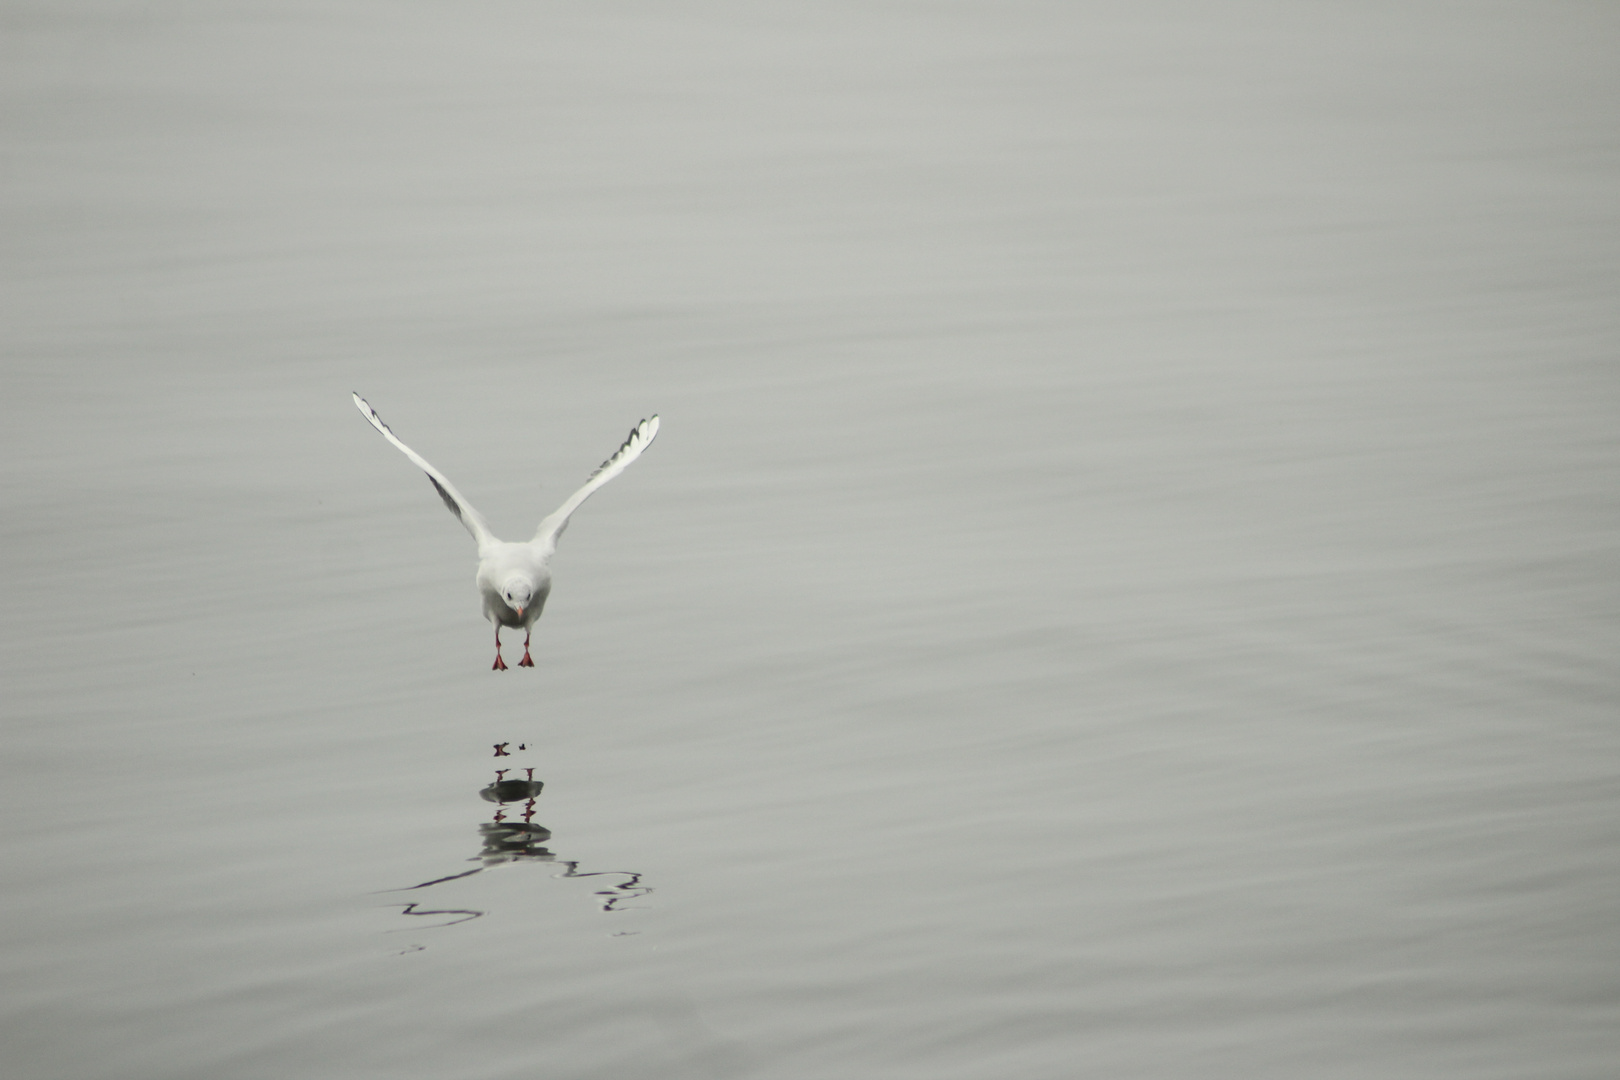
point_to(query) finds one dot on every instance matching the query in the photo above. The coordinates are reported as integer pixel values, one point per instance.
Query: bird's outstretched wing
(458, 504)
(640, 437)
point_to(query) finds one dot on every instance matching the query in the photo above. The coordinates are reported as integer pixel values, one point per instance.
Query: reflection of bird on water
(514, 841)
(515, 579)
(504, 842)
(510, 841)
(507, 791)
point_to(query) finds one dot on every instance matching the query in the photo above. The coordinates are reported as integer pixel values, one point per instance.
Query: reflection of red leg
(526, 662)
(500, 665)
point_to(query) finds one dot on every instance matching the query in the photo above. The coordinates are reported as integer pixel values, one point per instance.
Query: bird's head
(518, 593)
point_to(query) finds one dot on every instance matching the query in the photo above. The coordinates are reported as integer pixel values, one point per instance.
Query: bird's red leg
(500, 665)
(526, 662)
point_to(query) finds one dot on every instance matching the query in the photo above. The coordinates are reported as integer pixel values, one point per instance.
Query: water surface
(1126, 585)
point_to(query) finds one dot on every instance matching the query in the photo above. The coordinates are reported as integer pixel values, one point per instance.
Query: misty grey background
(1127, 585)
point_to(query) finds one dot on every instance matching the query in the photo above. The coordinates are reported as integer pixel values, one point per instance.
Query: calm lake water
(1128, 586)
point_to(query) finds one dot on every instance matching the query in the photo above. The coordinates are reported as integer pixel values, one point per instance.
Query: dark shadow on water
(519, 839)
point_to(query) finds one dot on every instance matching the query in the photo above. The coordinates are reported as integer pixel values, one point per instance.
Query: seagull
(515, 579)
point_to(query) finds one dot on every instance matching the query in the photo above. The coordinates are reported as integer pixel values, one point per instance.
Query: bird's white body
(504, 565)
(514, 579)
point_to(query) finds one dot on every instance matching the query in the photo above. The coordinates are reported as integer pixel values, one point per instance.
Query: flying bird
(515, 579)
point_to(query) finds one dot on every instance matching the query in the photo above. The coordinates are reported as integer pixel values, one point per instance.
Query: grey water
(1128, 584)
